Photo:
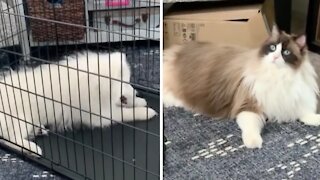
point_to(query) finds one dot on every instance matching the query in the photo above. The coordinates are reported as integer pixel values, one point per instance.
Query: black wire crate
(86, 107)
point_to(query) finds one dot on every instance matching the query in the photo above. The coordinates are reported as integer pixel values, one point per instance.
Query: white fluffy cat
(53, 95)
(274, 82)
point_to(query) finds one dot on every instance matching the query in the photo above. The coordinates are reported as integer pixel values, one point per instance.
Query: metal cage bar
(77, 92)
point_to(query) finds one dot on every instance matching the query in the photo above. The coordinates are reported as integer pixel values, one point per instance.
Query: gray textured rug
(145, 64)
(199, 147)
(12, 167)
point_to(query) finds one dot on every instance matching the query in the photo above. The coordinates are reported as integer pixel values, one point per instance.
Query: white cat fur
(43, 111)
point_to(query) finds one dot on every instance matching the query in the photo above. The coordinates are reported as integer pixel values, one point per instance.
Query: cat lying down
(64, 97)
(274, 83)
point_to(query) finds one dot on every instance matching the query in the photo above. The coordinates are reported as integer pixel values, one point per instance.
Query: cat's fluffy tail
(171, 53)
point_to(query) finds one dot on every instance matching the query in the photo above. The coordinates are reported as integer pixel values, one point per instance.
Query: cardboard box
(241, 25)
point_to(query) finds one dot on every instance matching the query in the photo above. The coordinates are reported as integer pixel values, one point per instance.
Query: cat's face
(284, 50)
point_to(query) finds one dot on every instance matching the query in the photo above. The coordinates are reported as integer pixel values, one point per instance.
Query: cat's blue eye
(272, 47)
(286, 52)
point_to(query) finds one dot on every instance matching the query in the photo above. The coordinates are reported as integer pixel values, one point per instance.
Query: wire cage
(79, 86)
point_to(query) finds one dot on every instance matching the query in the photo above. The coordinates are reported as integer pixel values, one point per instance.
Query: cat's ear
(275, 31)
(301, 41)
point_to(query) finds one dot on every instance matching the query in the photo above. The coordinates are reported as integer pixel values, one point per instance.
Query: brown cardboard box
(240, 25)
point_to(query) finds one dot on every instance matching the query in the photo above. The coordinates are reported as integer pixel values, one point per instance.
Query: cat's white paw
(252, 140)
(311, 119)
(34, 148)
(140, 102)
(151, 113)
(39, 151)
(43, 131)
(130, 102)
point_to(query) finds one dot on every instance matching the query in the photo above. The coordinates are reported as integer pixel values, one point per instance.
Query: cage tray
(129, 153)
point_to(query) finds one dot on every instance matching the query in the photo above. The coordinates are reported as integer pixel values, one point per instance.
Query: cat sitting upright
(83, 89)
(275, 82)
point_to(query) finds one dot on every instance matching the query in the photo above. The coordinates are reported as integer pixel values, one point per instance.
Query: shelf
(176, 1)
(100, 6)
(103, 37)
(10, 32)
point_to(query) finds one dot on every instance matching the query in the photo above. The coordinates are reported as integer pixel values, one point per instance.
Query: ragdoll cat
(54, 95)
(275, 82)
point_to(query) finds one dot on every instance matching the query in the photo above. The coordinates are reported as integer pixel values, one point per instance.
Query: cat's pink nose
(275, 58)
